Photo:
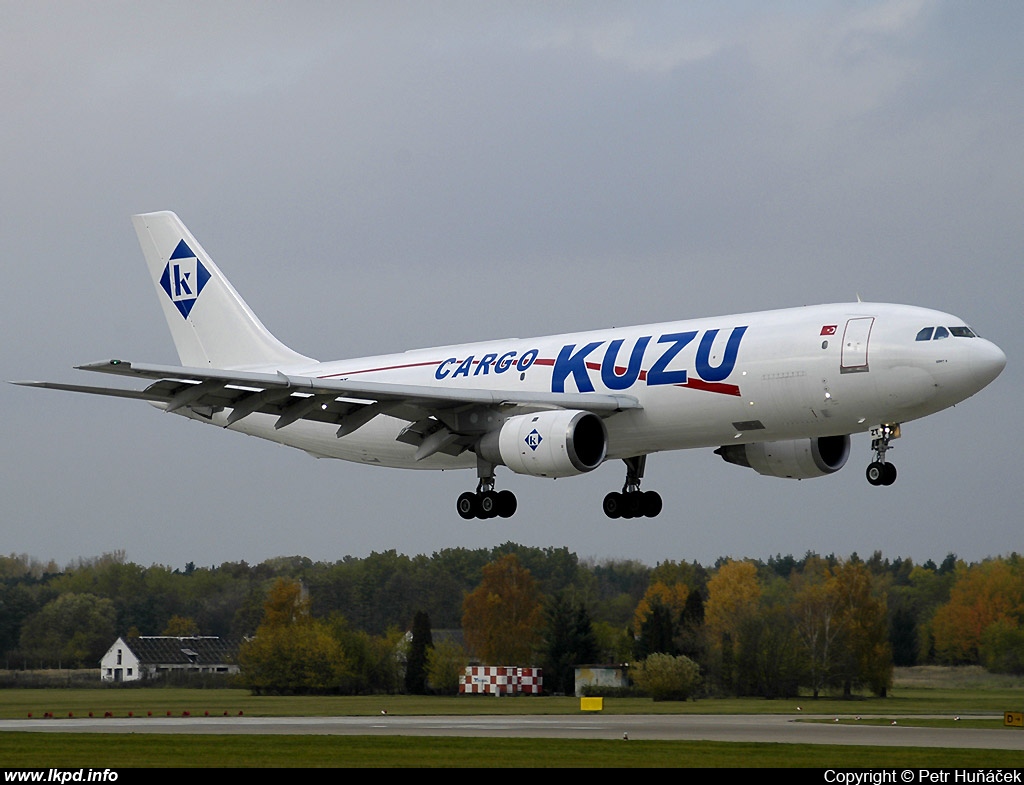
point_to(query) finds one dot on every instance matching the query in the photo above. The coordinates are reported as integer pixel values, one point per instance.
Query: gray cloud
(374, 177)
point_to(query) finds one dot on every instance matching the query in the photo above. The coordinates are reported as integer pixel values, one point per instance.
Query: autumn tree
(983, 595)
(840, 616)
(733, 598)
(181, 627)
(733, 594)
(291, 652)
(817, 614)
(503, 616)
(657, 617)
(868, 653)
(286, 605)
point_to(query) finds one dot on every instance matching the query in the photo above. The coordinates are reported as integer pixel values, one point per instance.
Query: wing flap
(420, 396)
(347, 404)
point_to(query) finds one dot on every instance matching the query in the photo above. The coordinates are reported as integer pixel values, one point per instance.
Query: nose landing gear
(879, 472)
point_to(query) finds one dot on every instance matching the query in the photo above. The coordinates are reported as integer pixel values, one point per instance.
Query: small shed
(151, 656)
(601, 676)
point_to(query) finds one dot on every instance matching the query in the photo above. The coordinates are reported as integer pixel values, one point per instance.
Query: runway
(702, 727)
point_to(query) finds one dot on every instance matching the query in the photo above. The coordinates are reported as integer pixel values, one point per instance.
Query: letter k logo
(184, 272)
(181, 282)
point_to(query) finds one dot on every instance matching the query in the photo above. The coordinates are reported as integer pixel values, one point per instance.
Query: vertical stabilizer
(210, 323)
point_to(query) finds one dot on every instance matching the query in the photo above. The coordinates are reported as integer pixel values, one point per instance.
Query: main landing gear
(632, 502)
(486, 502)
(879, 472)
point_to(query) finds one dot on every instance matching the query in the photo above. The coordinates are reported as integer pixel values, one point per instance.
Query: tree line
(753, 627)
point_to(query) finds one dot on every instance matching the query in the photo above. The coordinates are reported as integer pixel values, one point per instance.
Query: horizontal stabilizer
(115, 392)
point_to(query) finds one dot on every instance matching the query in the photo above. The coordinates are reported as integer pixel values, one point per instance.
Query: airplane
(780, 392)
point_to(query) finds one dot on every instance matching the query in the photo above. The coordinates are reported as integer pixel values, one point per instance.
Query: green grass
(978, 698)
(995, 723)
(96, 751)
(19, 703)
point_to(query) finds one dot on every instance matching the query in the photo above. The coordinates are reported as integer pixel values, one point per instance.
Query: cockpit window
(938, 333)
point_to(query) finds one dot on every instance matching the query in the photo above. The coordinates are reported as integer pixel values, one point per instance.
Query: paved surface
(748, 728)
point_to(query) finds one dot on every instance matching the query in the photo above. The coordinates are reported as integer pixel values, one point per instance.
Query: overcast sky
(380, 176)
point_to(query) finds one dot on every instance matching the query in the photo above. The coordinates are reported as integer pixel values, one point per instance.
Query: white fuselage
(795, 373)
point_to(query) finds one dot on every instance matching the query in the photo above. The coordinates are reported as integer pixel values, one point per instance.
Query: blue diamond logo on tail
(184, 278)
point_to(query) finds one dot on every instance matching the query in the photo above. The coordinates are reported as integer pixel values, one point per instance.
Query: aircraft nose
(987, 361)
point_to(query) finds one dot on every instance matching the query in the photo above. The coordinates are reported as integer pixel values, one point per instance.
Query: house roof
(172, 650)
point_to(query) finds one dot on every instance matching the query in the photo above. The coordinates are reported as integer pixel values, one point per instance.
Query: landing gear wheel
(875, 472)
(652, 504)
(487, 504)
(507, 504)
(879, 473)
(613, 505)
(888, 474)
(632, 502)
(466, 505)
(634, 506)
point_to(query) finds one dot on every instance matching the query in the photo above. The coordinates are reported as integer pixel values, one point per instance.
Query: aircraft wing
(344, 402)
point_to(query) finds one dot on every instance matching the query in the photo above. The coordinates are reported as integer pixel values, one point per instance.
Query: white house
(151, 656)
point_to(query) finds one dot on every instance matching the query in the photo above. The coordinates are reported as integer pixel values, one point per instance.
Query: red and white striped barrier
(501, 680)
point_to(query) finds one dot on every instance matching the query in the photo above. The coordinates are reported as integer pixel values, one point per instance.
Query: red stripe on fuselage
(693, 384)
(383, 368)
(715, 387)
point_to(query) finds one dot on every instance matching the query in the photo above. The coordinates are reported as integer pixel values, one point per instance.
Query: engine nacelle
(559, 443)
(798, 459)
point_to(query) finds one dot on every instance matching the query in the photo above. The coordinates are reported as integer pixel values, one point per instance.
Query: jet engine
(798, 459)
(558, 443)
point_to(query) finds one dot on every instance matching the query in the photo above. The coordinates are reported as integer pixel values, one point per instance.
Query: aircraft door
(855, 345)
